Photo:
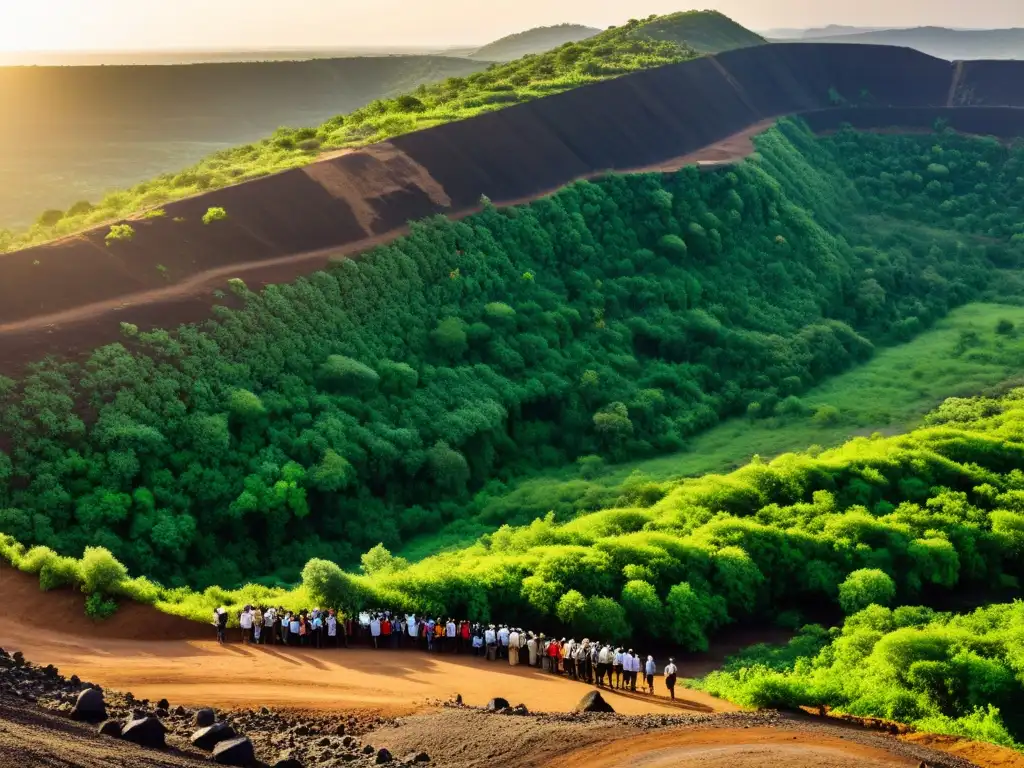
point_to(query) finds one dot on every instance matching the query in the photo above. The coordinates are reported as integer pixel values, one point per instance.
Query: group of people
(588, 660)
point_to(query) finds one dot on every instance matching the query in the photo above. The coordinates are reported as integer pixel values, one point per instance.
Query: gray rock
(89, 707)
(209, 737)
(163, 704)
(146, 732)
(204, 717)
(418, 757)
(383, 757)
(235, 752)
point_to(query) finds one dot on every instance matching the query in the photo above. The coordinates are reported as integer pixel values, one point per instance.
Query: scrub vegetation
(324, 424)
(614, 52)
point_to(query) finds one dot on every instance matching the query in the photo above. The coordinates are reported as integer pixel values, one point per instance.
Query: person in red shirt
(385, 631)
(463, 636)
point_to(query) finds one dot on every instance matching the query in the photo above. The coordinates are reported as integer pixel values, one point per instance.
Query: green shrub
(101, 571)
(98, 608)
(214, 214)
(120, 233)
(864, 587)
(825, 415)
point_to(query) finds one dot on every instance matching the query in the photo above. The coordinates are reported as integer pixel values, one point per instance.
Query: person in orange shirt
(439, 628)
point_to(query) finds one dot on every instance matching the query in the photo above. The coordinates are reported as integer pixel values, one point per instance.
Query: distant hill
(816, 32)
(536, 40)
(79, 132)
(704, 31)
(951, 44)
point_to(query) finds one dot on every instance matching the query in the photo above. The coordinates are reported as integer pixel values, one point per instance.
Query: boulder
(161, 713)
(594, 702)
(209, 737)
(418, 757)
(383, 757)
(497, 703)
(110, 728)
(204, 717)
(339, 730)
(234, 752)
(179, 711)
(288, 762)
(89, 707)
(368, 750)
(146, 732)
(163, 704)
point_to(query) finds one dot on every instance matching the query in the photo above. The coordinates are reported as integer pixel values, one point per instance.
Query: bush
(868, 586)
(100, 570)
(120, 233)
(214, 214)
(98, 607)
(1005, 327)
(825, 415)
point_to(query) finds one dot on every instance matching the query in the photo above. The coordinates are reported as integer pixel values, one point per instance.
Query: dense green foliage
(362, 404)
(611, 53)
(961, 675)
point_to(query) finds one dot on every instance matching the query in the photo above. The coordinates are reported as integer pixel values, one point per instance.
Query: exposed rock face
(594, 702)
(497, 703)
(89, 707)
(146, 732)
(209, 737)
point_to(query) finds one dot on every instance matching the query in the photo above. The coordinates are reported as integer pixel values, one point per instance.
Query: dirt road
(126, 653)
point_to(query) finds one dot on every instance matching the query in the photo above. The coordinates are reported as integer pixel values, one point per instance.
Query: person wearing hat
(670, 677)
(531, 649)
(513, 648)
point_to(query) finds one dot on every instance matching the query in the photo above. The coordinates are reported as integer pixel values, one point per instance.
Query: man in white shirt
(604, 665)
(413, 627)
(245, 622)
(449, 636)
(491, 641)
(628, 673)
(269, 617)
(375, 629)
(670, 677)
(617, 668)
(332, 628)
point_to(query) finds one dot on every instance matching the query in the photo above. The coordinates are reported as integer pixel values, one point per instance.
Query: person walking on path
(513, 648)
(269, 618)
(375, 630)
(531, 649)
(450, 633)
(650, 669)
(294, 627)
(332, 628)
(257, 625)
(617, 668)
(220, 620)
(670, 677)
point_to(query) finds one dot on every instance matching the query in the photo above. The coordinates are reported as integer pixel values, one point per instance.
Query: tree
(864, 587)
(643, 608)
(450, 337)
(379, 560)
(570, 607)
(349, 375)
(691, 615)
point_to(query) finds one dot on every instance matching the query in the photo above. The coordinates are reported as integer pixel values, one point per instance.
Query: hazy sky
(140, 24)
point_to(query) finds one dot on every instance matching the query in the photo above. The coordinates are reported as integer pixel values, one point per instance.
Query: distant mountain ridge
(704, 31)
(536, 40)
(942, 42)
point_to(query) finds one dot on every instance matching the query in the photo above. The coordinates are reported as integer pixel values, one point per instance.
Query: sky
(103, 25)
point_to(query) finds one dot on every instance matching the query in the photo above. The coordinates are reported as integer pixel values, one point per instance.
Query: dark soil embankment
(70, 296)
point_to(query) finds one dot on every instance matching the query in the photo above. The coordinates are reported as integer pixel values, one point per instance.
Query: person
(650, 669)
(293, 629)
(245, 622)
(257, 624)
(318, 629)
(385, 631)
(478, 643)
(375, 629)
(522, 646)
(513, 648)
(531, 649)
(628, 675)
(670, 677)
(303, 629)
(220, 620)
(439, 634)
(413, 628)
(450, 633)
(604, 666)
(428, 630)
(491, 641)
(269, 630)
(553, 654)
(332, 628)
(617, 668)
(503, 641)
(464, 634)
